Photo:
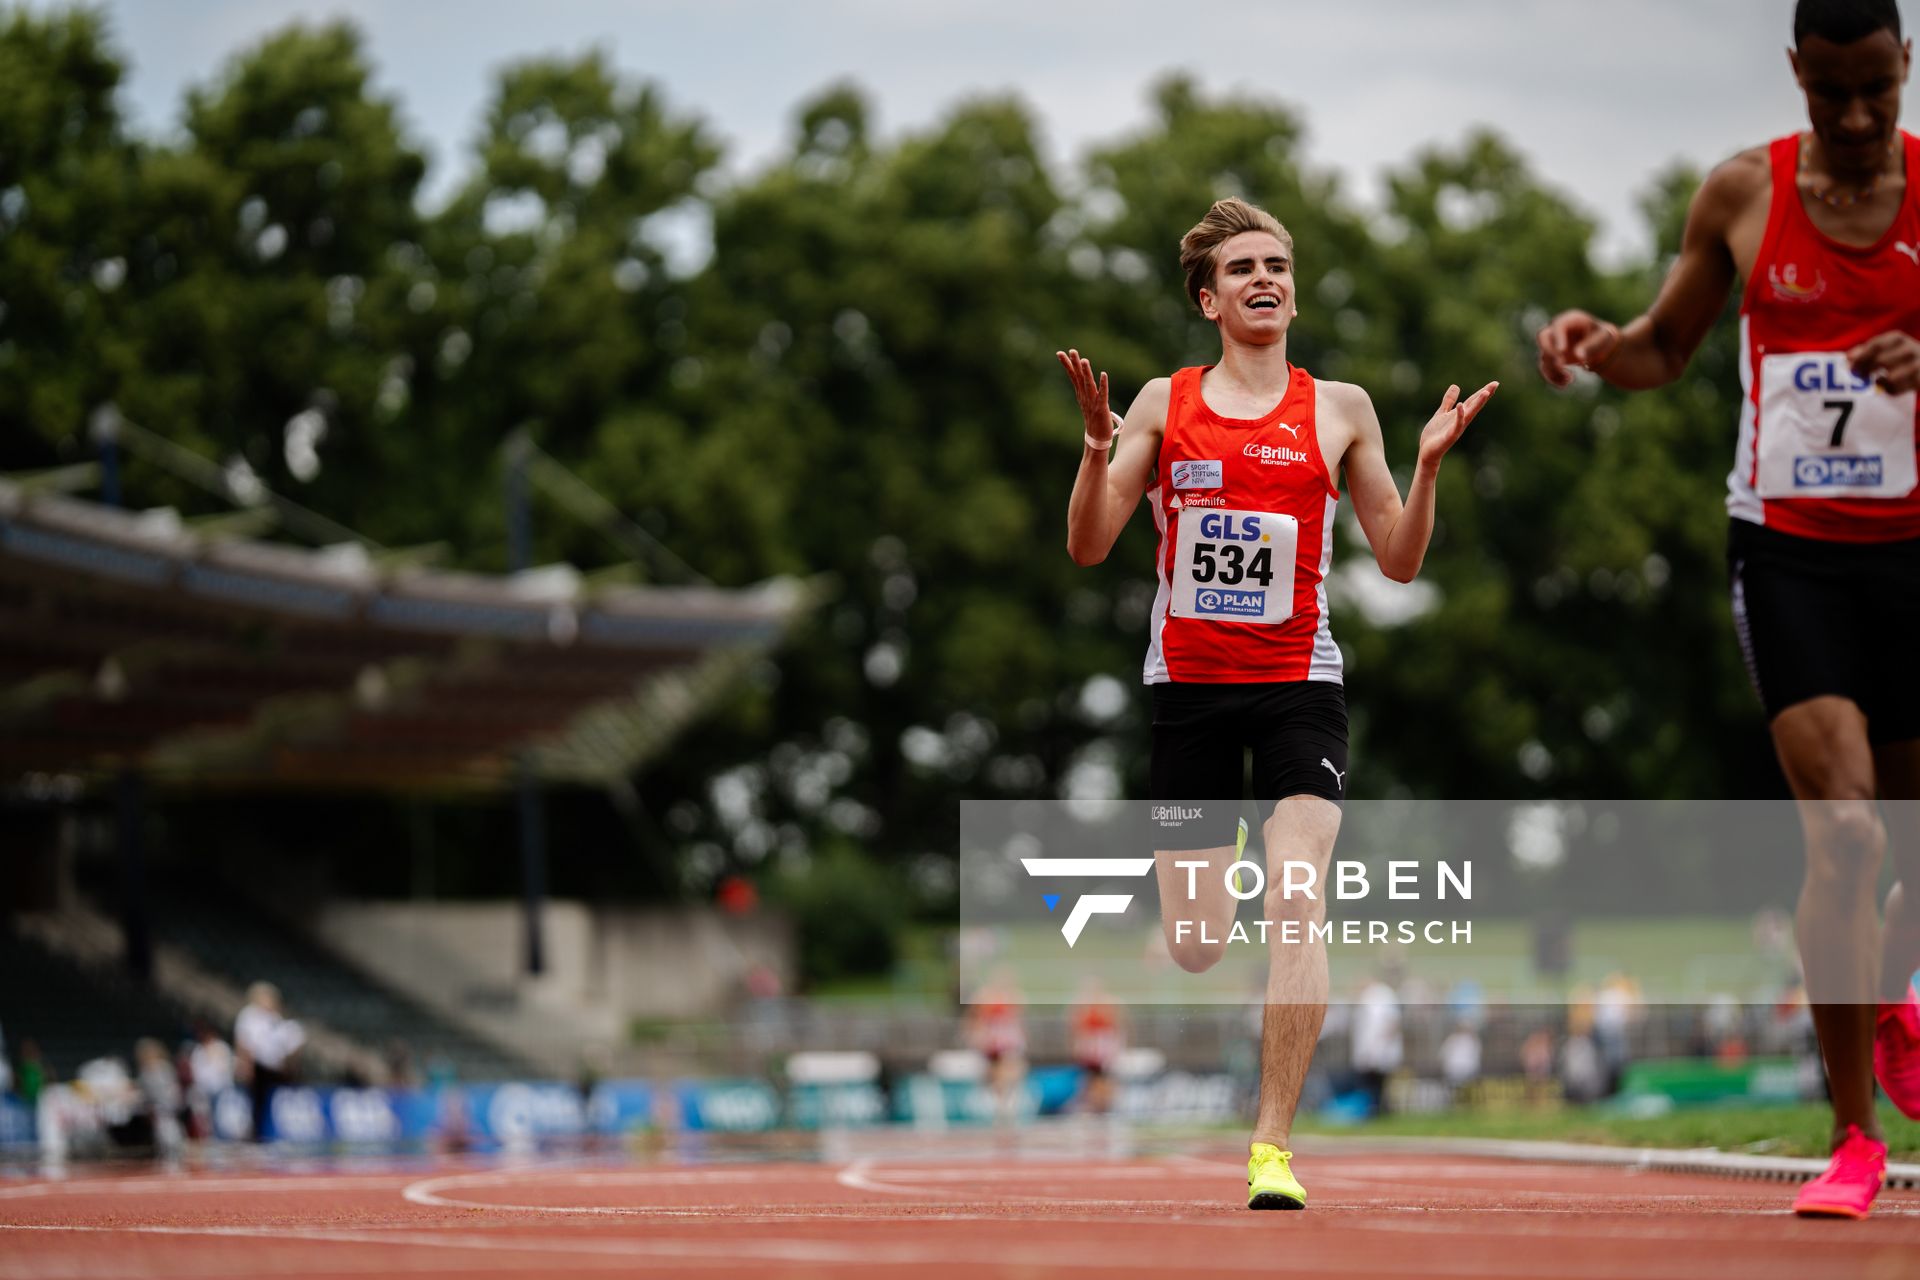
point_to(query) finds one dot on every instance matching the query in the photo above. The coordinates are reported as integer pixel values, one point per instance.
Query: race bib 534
(1234, 566)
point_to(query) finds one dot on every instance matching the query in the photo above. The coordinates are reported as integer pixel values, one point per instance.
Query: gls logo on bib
(1198, 473)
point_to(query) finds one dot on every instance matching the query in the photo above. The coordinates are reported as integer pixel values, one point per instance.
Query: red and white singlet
(1821, 453)
(1245, 513)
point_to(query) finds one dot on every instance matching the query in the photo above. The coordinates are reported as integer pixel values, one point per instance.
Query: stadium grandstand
(150, 659)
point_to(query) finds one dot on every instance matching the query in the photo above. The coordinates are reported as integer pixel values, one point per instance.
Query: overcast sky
(1599, 94)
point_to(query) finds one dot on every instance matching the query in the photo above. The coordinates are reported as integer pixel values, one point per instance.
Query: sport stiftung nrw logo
(1087, 905)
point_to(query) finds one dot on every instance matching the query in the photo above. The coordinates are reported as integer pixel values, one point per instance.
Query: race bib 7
(1234, 566)
(1825, 432)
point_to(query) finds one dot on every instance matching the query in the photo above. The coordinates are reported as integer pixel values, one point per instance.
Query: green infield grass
(1792, 1129)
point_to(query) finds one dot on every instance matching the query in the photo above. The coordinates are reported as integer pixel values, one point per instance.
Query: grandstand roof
(130, 638)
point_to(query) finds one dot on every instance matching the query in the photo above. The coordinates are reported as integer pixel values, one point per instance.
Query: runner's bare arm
(1654, 348)
(1106, 492)
(1397, 532)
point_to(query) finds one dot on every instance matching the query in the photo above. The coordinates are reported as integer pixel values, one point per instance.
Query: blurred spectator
(209, 1074)
(1467, 1003)
(1378, 1049)
(159, 1084)
(402, 1071)
(766, 1030)
(1790, 1028)
(209, 1061)
(997, 1030)
(1583, 1075)
(1616, 1008)
(1460, 1058)
(32, 1075)
(1099, 1034)
(103, 1087)
(6, 1067)
(1790, 1031)
(1536, 1056)
(596, 1063)
(1720, 1027)
(1580, 1010)
(269, 1046)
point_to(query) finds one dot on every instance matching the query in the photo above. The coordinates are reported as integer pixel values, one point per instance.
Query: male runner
(1238, 462)
(1824, 550)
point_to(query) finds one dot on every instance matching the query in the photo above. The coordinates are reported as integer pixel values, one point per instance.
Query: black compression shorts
(1296, 729)
(1819, 618)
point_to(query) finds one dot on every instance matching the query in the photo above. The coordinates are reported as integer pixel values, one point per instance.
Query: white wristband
(1104, 445)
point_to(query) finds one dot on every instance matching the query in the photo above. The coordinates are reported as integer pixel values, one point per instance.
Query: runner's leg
(1823, 749)
(1897, 766)
(1302, 829)
(1195, 928)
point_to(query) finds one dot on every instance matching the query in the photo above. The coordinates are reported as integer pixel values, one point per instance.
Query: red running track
(1385, 1215)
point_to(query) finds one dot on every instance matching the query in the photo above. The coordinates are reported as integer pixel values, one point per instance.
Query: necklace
(1828, 196)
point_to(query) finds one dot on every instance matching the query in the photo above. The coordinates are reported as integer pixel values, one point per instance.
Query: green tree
(562, 292)
(840, 366)
(66, 186)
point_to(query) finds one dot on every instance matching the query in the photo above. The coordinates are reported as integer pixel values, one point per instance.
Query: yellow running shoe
(1239, 848)
(1270, 1182)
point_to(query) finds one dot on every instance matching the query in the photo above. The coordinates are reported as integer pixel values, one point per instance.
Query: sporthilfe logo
(1088, 905)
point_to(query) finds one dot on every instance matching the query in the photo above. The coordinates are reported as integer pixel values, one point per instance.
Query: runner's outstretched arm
(1105, 492)
(1653, 349)
(1398, 533)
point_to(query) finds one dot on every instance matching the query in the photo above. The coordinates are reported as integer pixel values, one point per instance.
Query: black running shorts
(1296, 729)
(1822, 618)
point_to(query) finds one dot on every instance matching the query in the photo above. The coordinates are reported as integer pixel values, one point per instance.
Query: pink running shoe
(1852, 1180)
(1896, 1053)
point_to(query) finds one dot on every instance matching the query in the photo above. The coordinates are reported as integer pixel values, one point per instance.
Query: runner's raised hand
(1449, 422)
(1091, 392)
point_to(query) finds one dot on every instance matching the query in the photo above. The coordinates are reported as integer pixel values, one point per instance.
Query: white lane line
(919, 1183)
(1472, 1178)
(858, 1176)
(190, 1184)
(434, 1192)
(1350, 1167)
(1103, 1173)
(721, 1252)
(1651, 1227)
(978, 1251)
(732, 1252)
(429, 1192)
